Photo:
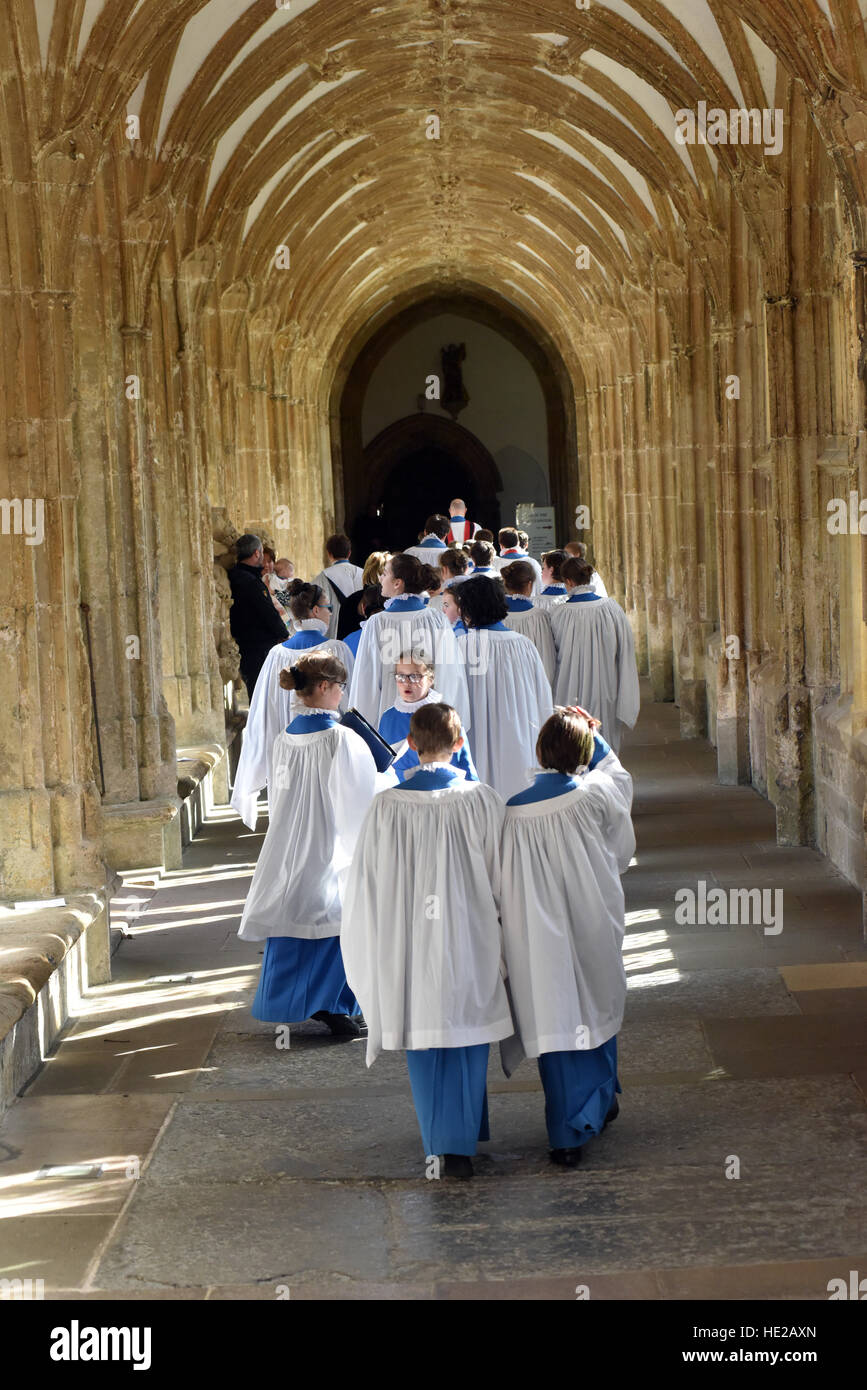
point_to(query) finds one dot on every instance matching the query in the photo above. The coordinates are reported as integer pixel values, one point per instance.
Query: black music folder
(383, 753)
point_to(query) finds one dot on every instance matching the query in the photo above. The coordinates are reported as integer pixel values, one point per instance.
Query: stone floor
(206, 1161)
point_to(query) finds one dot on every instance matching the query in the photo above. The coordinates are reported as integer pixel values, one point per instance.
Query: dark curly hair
(481, 601)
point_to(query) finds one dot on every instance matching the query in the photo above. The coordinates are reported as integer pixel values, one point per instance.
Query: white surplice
(549, 601)
(348, 578)
(510, 699)
(596, 665)
(271, 709)
(501, 561)
(427, 554)
(319, 790)
(421, 939)
(563, 911)
(384, 637)
(535, 623)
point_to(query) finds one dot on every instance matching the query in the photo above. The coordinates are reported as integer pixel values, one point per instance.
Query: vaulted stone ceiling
(305, 126)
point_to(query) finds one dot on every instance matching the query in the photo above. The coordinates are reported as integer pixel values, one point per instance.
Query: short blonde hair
(374, 566)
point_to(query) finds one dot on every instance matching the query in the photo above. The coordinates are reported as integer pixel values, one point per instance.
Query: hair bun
(292, 678)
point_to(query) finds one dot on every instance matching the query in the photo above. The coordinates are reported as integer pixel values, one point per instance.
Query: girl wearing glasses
(414, 678)
(406, 624)
(272, 706)
(322, 780)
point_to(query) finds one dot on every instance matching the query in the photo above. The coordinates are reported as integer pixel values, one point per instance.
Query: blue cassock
(449, 1084)
(300, 976)
(394, 727)
(352, 641)
(579, 1086)
(554, 590)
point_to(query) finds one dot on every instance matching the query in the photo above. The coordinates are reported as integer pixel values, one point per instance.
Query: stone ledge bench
(49, 956)
(141, 834)
(51, 952)
(203, 782)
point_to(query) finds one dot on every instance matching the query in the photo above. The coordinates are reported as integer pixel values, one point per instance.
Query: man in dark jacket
(255, 623)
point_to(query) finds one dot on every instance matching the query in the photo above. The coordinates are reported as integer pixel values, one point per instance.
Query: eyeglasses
(342, 684)
(408, 680)
(327, 606)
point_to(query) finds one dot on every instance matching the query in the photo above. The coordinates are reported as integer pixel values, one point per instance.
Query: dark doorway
(421, 483)
(414, 468)
(357, 492)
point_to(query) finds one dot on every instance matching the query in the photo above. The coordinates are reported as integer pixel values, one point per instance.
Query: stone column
(791, 782)
(733, 717)
(657, 455)
(49, 798)
(633, 505)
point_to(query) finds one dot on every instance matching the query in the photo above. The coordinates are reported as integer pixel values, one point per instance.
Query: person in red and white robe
(462, 529)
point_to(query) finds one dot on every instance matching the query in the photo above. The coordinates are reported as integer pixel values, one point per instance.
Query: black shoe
(612, 1113)
(457, 1166)
(341, 1025)
(566, 1158)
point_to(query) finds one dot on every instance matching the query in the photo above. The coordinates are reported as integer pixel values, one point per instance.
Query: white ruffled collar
(535, 772)
(433, 767)
(406, 707)
(312, 625)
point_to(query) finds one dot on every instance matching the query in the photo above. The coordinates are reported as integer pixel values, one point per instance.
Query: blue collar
(433, 543)
(491, 627)
(485, 569)
(425, 781)
(583, 598)
(602, 749)
(546, 786)
(405, 603)
(555, 589)
(514, 554)
(460, 627)
(518, 605)
(303, 639)
(314, 722)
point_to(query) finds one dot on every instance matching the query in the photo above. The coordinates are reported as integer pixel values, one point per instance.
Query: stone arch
(429, 437)
(367, 348)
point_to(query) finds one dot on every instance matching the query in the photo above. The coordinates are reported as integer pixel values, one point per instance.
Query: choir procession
(437, 735)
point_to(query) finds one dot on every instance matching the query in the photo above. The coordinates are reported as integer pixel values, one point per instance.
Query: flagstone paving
(213, 1160)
